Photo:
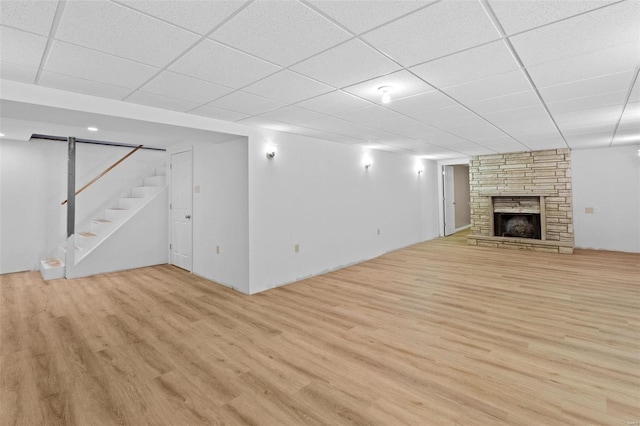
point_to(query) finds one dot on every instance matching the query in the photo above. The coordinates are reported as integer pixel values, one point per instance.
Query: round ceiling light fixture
(386, 97)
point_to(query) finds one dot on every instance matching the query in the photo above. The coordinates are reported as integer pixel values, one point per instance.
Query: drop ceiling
(467, 77)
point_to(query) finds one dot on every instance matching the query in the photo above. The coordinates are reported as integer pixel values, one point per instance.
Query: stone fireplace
(522, 201)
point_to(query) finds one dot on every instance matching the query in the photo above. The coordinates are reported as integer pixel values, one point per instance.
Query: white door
(180, 210)
(449, 201)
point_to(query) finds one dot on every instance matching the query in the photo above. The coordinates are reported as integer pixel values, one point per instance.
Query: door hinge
(170, 206)
(171, 166)
(169, 246)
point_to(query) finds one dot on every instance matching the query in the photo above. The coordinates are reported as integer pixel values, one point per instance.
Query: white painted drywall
(140, 241)
(607, 180)
(31, 175)
(33, 184)
(221, 213)
(318, 194)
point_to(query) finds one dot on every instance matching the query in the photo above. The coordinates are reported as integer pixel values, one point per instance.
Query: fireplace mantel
(516, 194)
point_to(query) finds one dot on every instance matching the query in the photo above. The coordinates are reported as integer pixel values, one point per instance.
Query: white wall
(221, 213)
(33, 184)
(607, 180)
(317, 194)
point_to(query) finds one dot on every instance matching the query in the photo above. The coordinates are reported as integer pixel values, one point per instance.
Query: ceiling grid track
(626, 104)
(491, 14)
(52, 35)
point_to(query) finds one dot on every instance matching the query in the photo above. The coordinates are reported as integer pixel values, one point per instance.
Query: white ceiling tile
(218, 113)
(586, 118)
(506, 102)
(363, 15)
(319, 134)
(602, 28)
(21, 48)
(333, 103)
(517, 16)
(120, 31)
(590, 140)
(379, 146)
(543, 140)
(498, 85)
(283, 32)
(417, 131)
(381, 137)
(606, 61)
(346, 64)
(163, 102)
(524, 119)
(438, 30)
(91, 65)
(33, 16)
(293, 114)
(397, 122)
(588, 102)
(467, 120)
(419, 103)
(223, 65)
(477, 132)
(17, 72)
(477, 150)
(454, 112)
(246, 103)
(195, 15)
(368, 114)
(629, 134)
(271, 124)
(633, 108)
(473, 64)
(401, 83)
(178, 86)
(502, 144)
(589, 87)
(79, 85)
(635, 91)
(287, 86)
(336, 125)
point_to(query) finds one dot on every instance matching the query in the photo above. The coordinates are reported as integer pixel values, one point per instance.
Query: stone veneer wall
(545, 173)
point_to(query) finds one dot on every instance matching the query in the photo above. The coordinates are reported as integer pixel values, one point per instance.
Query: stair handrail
(107, 170)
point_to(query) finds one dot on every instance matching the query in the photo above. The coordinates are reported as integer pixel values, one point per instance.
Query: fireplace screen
(519, 225)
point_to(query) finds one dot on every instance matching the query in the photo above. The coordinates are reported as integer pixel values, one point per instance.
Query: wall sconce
(271, 151)
(367, 162)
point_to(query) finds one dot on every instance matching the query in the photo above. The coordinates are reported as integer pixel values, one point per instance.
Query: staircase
(98, 230)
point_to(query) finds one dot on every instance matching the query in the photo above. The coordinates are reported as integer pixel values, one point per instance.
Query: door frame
(441, 163)
(171, 151)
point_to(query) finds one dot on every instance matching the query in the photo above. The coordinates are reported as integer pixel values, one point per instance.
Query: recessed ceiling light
(92, 129)
(1, 135)
(386, 97)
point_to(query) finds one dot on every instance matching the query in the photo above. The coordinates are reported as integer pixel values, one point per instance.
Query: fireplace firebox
(519, 225)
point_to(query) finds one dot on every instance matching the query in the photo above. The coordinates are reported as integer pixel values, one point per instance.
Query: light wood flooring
(439, 333)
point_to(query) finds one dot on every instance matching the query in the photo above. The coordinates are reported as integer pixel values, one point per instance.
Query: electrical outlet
(217, 249)
(296, 248)
(588, 210)
(378, 231)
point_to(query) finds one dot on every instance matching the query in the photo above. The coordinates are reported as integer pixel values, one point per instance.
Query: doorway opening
(456, 197)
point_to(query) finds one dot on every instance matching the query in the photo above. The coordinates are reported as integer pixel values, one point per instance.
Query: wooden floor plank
(436, 333)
